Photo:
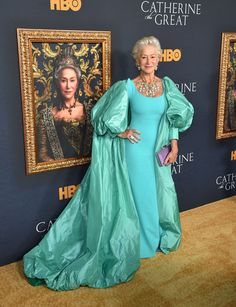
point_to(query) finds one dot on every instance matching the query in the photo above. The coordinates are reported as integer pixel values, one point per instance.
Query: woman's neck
(69, 102)
(148, 78)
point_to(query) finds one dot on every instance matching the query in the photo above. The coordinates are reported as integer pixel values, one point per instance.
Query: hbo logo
(169, 55)
(65, 5)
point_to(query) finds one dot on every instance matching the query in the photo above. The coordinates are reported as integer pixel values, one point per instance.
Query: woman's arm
(131, 134)
(172, 156)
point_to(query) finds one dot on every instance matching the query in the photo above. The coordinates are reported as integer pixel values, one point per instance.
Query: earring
(156, 67)
(138, 66)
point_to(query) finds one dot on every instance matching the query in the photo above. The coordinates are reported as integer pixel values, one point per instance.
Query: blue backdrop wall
(204, 172)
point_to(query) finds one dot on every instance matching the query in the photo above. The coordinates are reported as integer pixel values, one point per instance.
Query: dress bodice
(146, 113)
(71, 135)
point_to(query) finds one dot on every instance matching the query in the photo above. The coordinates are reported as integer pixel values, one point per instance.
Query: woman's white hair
(143, 42)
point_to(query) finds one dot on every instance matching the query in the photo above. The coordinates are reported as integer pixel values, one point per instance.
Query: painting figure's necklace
(69, 109)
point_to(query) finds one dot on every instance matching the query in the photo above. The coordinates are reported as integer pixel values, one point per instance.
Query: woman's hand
(172, 156)
(131, 134)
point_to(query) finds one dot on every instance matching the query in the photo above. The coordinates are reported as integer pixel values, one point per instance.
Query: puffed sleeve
(180, 111)
(110, 114)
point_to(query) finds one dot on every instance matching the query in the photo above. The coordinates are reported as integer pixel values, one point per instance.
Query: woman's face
(68, 82)
(148, 59)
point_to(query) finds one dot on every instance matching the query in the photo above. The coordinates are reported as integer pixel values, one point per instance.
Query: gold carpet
(201, 273)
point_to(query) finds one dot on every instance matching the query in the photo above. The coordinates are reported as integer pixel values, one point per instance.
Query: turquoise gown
(146, 113)
(96, 240)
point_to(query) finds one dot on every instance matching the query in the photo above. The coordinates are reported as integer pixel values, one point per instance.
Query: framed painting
(226, 111)
(63, 73)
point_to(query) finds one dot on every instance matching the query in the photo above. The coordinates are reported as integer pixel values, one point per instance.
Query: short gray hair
(143, 42)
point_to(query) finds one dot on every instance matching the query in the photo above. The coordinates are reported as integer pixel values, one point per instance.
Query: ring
(131, 137)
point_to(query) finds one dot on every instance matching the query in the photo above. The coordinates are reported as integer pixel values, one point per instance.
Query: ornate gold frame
(26, 37)
(226, 69)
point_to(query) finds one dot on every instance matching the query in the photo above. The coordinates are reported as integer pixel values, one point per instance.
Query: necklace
(148, 89)
(69, 109)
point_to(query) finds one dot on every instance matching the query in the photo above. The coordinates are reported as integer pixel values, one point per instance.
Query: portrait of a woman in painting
(230, 103)
(63, 123)
(63, 73)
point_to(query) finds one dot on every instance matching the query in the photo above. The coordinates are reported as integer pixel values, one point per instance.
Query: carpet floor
(201, 273)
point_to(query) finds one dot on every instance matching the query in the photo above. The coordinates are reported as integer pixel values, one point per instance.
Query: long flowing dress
(96, 240)
(146, 113)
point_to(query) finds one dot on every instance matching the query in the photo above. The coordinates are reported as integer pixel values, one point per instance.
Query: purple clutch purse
(162, 154)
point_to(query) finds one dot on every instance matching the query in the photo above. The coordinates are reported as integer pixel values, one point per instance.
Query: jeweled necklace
(69, 109)
(148, 89)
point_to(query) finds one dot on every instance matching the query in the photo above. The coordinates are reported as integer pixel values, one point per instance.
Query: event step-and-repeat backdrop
(39, 172)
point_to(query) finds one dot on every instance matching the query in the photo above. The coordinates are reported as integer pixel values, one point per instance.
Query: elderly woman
(64, 128)
(147, 99)
(126, 208)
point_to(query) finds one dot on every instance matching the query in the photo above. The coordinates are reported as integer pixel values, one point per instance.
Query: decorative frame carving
(226, 111)
(38, 50)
